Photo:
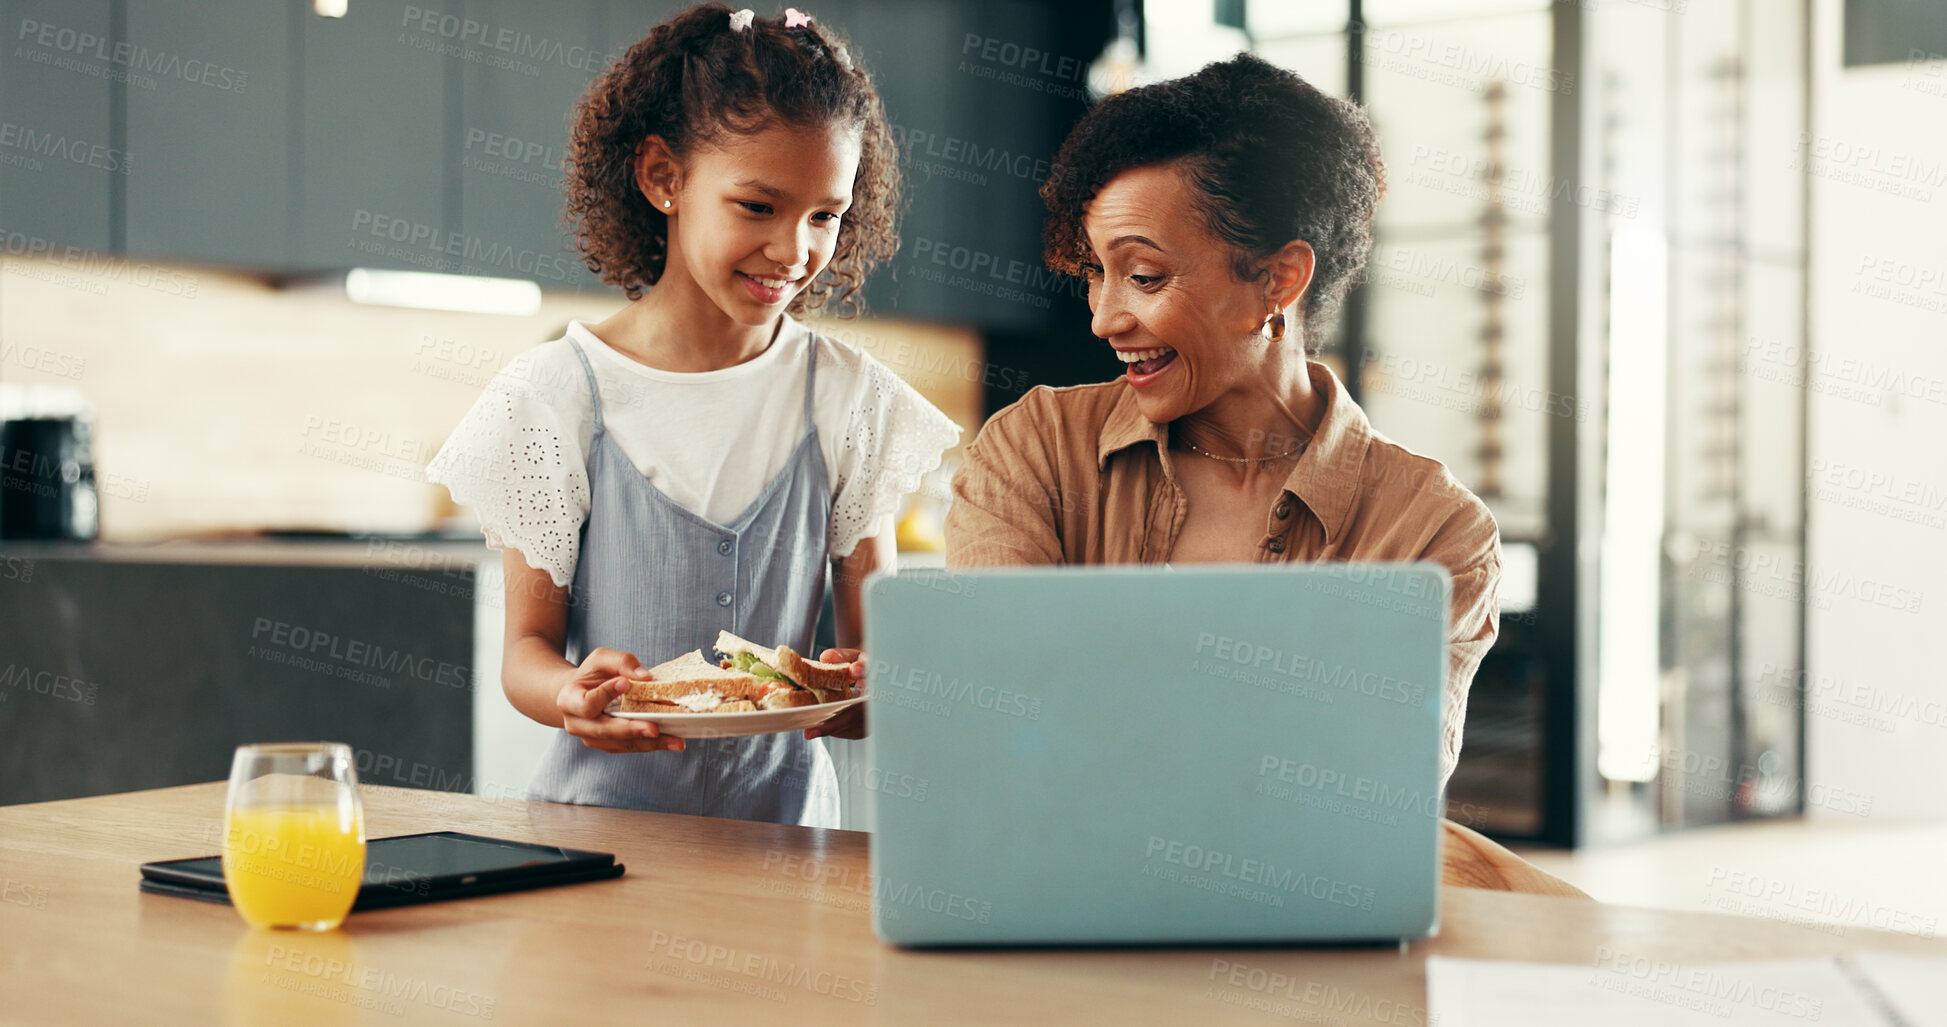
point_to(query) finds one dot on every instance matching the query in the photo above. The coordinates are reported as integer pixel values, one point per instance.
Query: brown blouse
(1078, 476)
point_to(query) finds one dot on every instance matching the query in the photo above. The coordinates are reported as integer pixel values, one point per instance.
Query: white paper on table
(1626, 991)
(1913, 984)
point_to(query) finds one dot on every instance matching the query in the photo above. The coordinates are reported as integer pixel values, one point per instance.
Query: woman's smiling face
(1163, 293)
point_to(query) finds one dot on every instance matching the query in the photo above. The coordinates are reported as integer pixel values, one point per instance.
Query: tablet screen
(417, 856)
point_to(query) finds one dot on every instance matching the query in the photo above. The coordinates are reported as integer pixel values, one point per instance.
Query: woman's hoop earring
(1273, 330)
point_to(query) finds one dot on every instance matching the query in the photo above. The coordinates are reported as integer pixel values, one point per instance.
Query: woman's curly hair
(1274, 158)
(692, 80)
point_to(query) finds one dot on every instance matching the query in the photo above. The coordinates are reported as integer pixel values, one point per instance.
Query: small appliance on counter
(47, 467)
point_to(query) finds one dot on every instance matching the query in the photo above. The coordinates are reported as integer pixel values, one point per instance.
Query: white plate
(738, 725)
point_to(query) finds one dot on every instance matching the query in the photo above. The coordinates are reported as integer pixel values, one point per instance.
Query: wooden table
(717, 921)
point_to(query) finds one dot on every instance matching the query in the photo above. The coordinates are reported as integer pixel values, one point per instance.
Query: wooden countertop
(716, 921)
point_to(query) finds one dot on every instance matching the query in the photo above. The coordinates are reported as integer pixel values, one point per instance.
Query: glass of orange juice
(294, 835)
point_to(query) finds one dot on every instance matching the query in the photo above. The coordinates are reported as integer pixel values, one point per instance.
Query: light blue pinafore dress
(658, 580)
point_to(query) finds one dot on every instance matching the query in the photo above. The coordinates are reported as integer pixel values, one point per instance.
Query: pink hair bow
(795, 19)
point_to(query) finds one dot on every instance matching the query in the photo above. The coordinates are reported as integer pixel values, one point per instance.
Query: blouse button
(1275, 543)
(724, 547)
(723, 599)
(1283, 509)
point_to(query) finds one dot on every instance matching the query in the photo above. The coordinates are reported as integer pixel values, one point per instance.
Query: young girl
(694, 462)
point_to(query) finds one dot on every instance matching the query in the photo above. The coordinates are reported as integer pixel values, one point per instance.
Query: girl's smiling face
(754, 218)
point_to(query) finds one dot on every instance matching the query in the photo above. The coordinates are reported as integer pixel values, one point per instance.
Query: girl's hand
(849, 723)
(601, 677)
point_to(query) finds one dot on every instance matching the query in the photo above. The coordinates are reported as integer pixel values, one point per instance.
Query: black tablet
(413, 868)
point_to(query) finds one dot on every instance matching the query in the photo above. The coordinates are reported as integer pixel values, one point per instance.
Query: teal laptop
(1145, 755)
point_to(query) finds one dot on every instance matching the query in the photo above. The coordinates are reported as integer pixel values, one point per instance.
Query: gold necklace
(1248, 459)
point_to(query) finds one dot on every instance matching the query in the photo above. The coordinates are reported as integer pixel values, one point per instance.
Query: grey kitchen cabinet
(124, 668)
(61, 165)
(980, 117)
(210, 131)
(370, 163)
(512, 121)
(625, 21)
(978, 96)
(429, 135)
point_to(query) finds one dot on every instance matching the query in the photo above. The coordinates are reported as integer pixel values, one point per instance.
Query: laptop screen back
(1153, 755)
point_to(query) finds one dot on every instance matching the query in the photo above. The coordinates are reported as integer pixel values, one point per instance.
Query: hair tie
(795, 19)
(740, 20)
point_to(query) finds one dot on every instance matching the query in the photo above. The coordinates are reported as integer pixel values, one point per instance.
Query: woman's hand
(849, 723)
(601, 677)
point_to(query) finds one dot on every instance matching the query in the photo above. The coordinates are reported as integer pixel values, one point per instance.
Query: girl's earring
(665, 204)
(1273, 330)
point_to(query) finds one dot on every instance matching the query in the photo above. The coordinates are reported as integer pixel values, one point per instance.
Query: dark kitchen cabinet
(430, 136)
(625, 21)
(374, 92)
(513, 117)
(979, 96)
(60, 165)
(209, 131)
(123, 670)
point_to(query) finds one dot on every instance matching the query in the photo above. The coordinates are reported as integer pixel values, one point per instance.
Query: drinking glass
(294, 835)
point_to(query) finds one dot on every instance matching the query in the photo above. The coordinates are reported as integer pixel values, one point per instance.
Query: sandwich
(748, 677)
(827, 682)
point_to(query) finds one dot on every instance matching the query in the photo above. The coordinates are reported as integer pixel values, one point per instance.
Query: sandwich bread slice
(827, 682)
(691, 684)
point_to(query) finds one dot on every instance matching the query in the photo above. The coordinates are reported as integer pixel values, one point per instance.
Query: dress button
(724, 547)
(1275, 543)
(723, 599)
(1283, 509)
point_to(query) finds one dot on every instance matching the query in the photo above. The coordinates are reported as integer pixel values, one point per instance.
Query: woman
(1218, 220)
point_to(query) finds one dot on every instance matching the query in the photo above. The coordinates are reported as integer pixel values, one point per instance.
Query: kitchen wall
(224, 404)
(1876, 722)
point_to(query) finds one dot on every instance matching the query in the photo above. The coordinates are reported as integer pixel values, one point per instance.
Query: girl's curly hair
(1274, 160)
(692, 80)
